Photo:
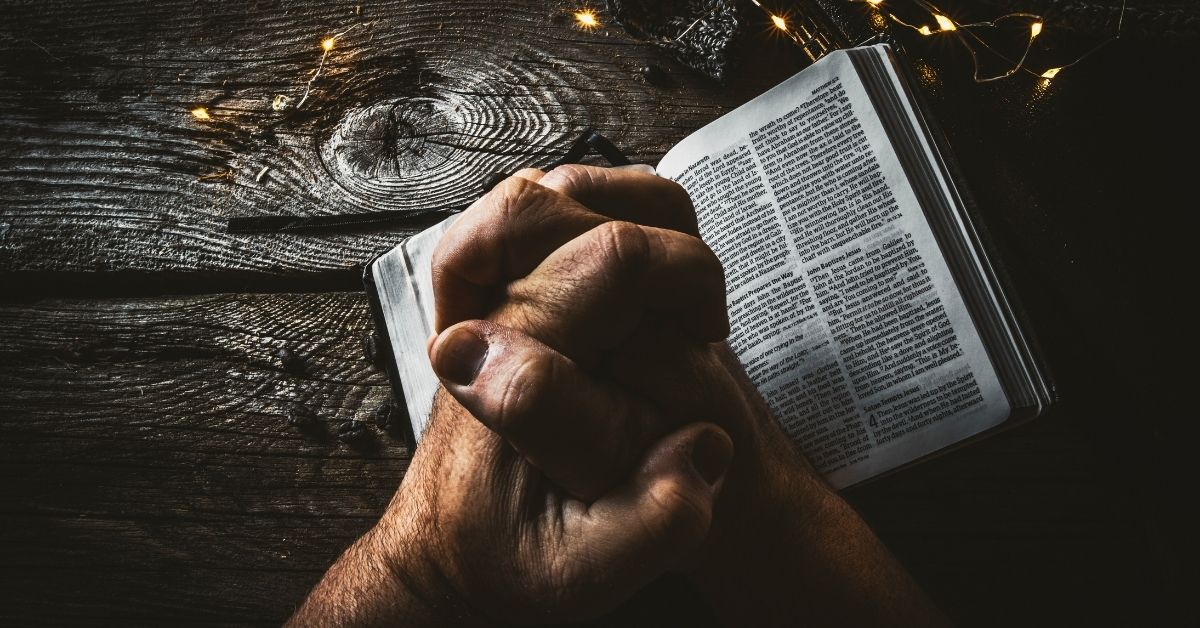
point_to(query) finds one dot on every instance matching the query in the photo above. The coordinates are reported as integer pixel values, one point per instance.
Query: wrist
(390, 576)
(771, 477)
(773, 502)
(774, 515)
(419, 577)
(366, 587)
(791, 551)
(406, 580)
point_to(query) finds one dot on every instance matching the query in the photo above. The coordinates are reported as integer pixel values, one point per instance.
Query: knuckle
(623, 243)
(677, 193)
(707, 259)
(450, 248)
(525, 397)
(675, 196)
(529, 173)
(442, 260)
(515, 195)
(695, 258)
(575, 178)
(677, 514)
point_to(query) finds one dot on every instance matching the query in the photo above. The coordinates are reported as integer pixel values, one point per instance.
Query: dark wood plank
(148, 469)
(103, 168)
(149, 475)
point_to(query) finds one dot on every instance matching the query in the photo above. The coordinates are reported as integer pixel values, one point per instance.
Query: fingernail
(711, 453)
(460, 356)
(642, 168)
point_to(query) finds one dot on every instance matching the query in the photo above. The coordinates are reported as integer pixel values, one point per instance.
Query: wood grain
(149, 470)
(103, 168)
(150, 475)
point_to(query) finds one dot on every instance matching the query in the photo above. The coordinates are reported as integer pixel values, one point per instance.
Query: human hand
(625, 318)
(588, 291)
(475, 533)
(506, 538)
(622, 319)
(478, 533)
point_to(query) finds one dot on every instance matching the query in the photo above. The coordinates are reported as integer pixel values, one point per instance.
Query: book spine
(384, 347)
(983, 238)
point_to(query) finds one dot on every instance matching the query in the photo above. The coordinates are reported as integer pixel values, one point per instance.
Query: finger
(511, 229)
(592, 292)
(502, 236)
(584, 434)
(684, 378)
(530, 174)
(633, 534)
(626, 193)
(642, 168)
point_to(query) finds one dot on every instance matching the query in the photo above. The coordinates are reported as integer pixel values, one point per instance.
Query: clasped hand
(580, 455)
(593, 431)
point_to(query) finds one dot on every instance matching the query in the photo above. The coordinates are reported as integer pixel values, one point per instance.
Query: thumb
(585, 434)
(633, 534)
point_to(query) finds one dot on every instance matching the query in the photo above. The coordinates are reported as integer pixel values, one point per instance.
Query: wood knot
(388, 146)
(301, 417)
(290, 361)
(383, 415)
(435, 147)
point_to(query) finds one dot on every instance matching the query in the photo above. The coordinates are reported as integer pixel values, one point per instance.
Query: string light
(327, 45)
(587, 19)
(812, 42)
(280, 102)
(964, 33)
(687, 30)
(814, 47)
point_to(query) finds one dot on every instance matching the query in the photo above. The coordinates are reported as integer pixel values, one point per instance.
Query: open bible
(862, 302)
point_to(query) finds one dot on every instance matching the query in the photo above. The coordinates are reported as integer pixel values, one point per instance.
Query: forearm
(390, 575)
(363, 589)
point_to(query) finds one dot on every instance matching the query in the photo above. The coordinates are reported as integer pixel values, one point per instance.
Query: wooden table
(148, 472)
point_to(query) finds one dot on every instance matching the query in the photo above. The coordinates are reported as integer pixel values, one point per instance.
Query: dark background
(148, 473)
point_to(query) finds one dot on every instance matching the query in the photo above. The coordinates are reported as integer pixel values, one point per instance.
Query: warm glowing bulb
(587, 19)
(779, 22)
(1051, 73)
(924, 30)
(1035, 29)
(200, 113)
(874, 3)
(327, 44)
(944, 23)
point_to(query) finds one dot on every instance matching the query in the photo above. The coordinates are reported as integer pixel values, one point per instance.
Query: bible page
(843, 310)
